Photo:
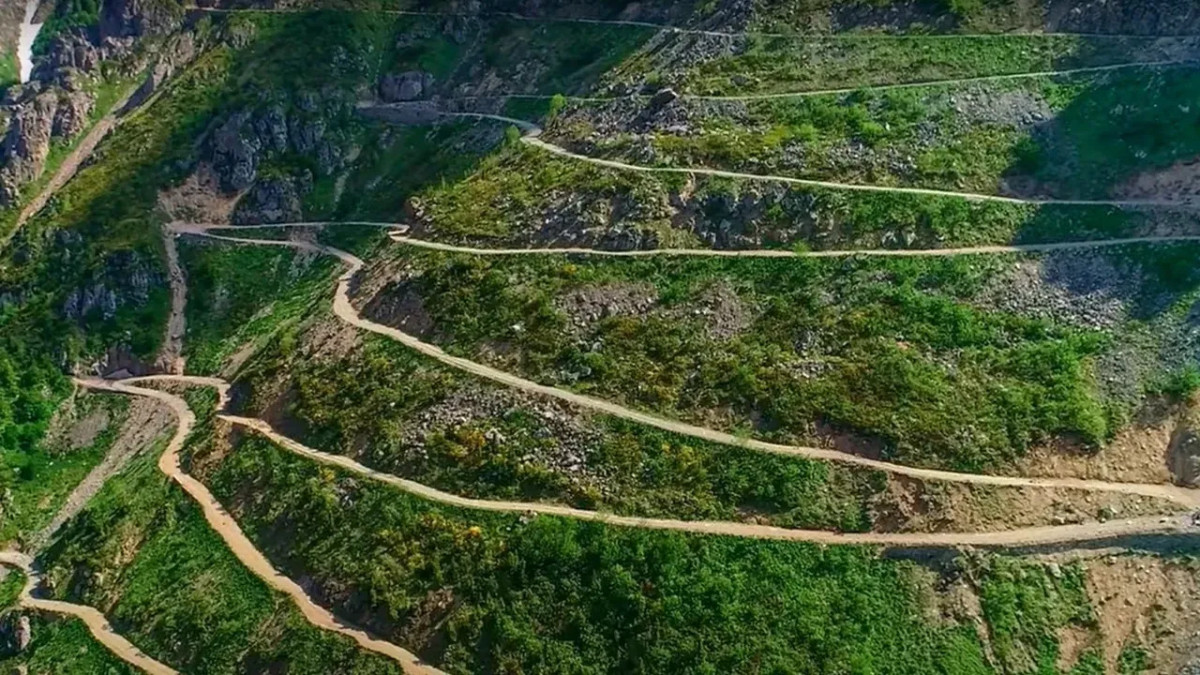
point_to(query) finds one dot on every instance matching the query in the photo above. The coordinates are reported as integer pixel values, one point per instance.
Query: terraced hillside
(673, 337)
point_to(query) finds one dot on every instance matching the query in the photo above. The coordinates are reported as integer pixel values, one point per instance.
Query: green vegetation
(102, 229)
(372, 403)
(1107, 134)
(788, 64)
(873, 16)
(914, 360)
(67, 14)
(983, 138)
(38, 477)
(65, 647)
(143, 554)
(28, 396)
(402, 159)
(238, 293)
(11, 587)
(892, 350)
(512, 191)
(512, 194)
(1025, 606)
(479, 592)
(10, 69)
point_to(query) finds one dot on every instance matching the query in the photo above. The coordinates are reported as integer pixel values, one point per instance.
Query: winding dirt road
(784, 253)
(809, 93)
(533, 133)
(681, 30)
(398, 237)
(1030, 536)
(345, 310)
(232, 534)
(96, 623)
(532, 137)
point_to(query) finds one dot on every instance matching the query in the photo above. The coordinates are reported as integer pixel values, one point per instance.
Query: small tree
(557, 103)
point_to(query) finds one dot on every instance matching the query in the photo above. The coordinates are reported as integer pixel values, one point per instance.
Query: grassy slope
(64, 647)
(142, 552)
(700, 596)
(764, 65)
(940, 137)
(10, 71)
(900, 353)
(42, 477)
(364, 402)
(105, 220)
(363, 405)
(481, 592)
(515, 191)
(230, 291)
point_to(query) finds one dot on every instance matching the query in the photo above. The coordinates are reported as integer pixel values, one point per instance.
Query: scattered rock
(407, 86)
(24, 633)
(586, 306)
(400, 305)
(663, 98)
(273, 200)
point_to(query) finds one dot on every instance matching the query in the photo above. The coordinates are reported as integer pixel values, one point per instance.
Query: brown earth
(909, 505)
(1150, 602)
(1139, 453)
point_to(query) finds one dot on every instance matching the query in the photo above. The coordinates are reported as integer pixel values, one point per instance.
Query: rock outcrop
(409, 86)
(32, 124)
(178, 52)
(246, 138)
(138, 18)
(15, 631)
(1183, 454)
(1145, 17)
(124, 280)
(273, 200)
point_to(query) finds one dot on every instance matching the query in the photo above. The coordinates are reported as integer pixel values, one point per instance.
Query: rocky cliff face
(55, 105)
(138, 18)
(36, 119)
(295, 134)
(1140, 17)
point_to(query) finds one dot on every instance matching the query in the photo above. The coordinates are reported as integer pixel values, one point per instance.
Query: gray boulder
(235, 153)
(274, 200)
(409, 86)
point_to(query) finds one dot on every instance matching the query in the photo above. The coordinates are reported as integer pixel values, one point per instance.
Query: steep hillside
(562, 337)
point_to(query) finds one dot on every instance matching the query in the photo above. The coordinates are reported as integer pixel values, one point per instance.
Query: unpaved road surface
(232, 534)
(686, 31)
(532, 137)
(95, 621)
(989, 249)
(344, 310)
(1032, 536)
(170, 358)
(784, 253)
(533, 133)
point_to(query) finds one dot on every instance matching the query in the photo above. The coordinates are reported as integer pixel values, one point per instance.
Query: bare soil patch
(587, 306)
(1139, 453)
(1149, 602)
(70, 430)
(146, 421)
(1178, 181)
(199, 199)
(909, 505)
